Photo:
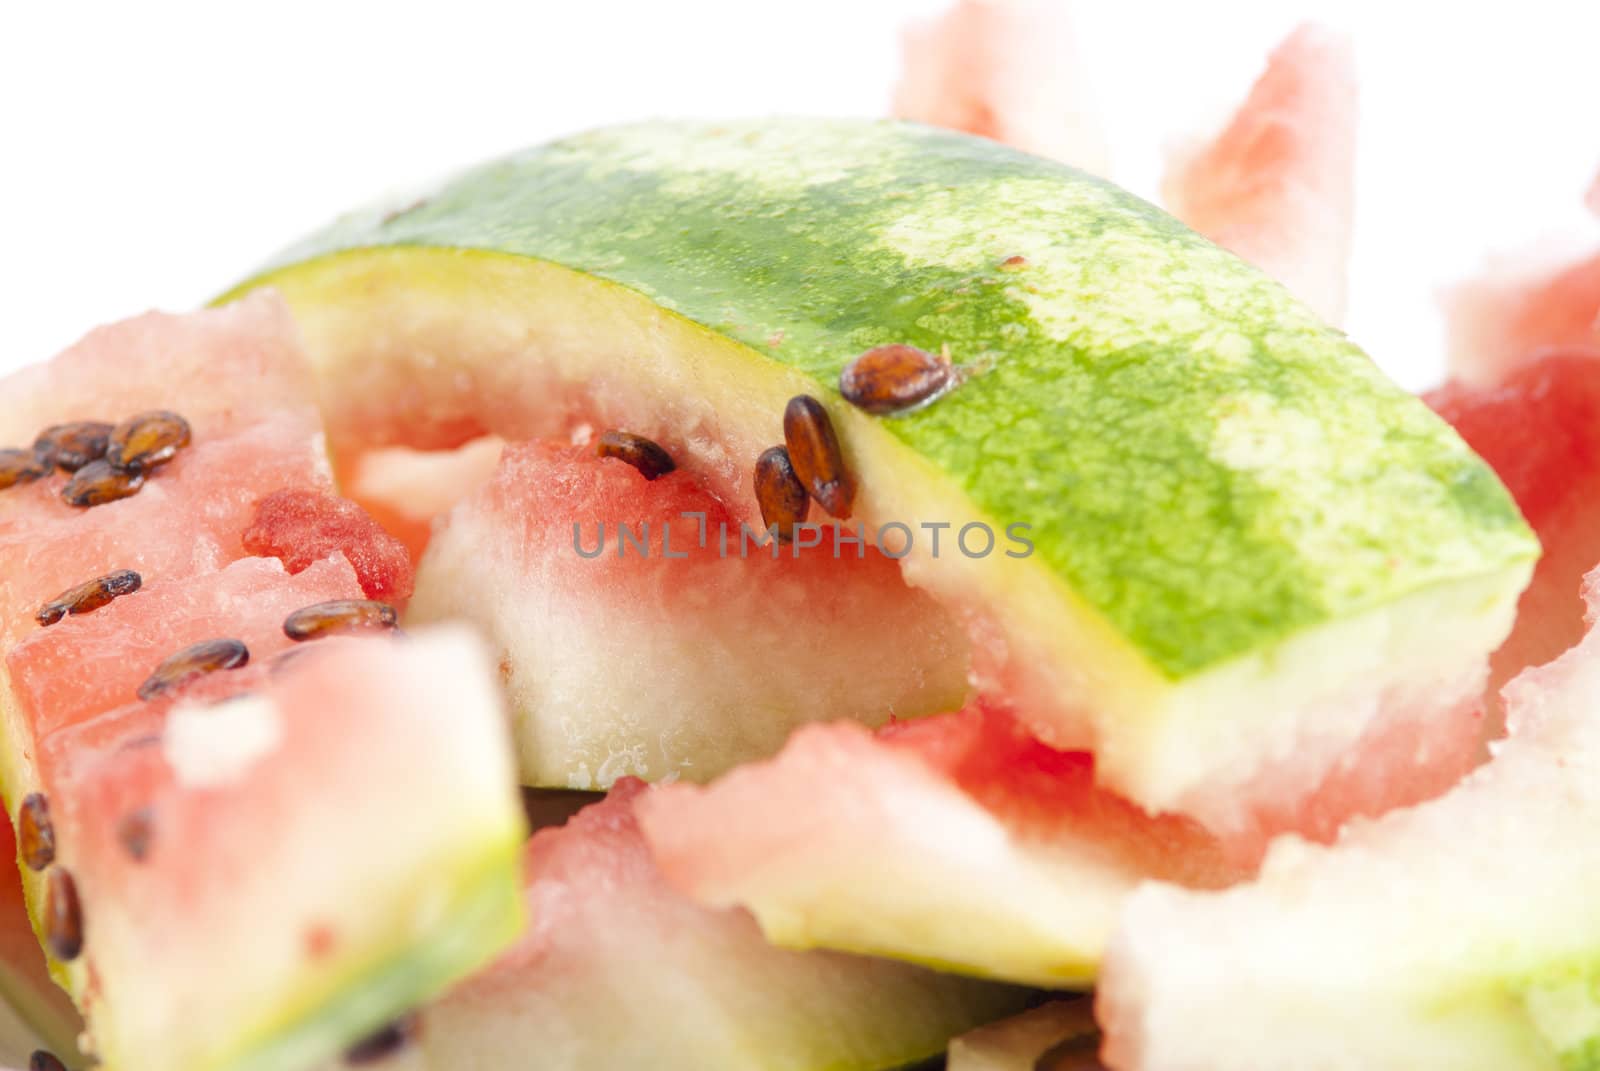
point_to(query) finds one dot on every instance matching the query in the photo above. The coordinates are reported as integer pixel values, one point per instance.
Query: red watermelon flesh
(405, 489)
(1277, 185)
(1519, 309)
(85, 665)
(252, 826)
(618, 970)
(689, 660)
(959, 839)
(1540, 429)
(1007, 70)
(300, 527)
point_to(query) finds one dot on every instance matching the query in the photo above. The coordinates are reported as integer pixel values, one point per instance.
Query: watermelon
(1539, 427)
(670, 657)
(1462, 933)
(1521, 306)
(1058, 1036)
(151, 784)
(619, 971)
(404, 489)
(34, 1012)
(1169, 429)
(1007, 70)
(1277, 184)
(963, 842)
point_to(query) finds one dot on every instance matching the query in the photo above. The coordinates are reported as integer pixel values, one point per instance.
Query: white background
(152, 153)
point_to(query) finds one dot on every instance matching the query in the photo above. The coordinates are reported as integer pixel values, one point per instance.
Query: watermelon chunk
(300, 526)
(1462, 933)
(962, 841)
(1520, 307)
(138, 951)
(1540, 429)
(348, 829)
(618, 970)
(665, 658)
(1007, 70)
(1277, 185)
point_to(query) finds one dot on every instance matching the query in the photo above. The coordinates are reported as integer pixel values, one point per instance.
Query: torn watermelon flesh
(1539, 428)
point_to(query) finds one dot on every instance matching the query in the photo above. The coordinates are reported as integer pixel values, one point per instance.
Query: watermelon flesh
(1519, 308)
(258, 822)
(1462, 933)
(617, 970)
(1540, 428)
(1277, 184)
(962, 841)
(406, 489)
(684, 662)
(1007, 70)
(215, 778)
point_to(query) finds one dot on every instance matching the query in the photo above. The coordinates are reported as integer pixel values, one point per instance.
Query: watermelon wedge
(1539, 427)
(682, 653)
(149, 784)
(619, 971)
(1190, 610)
(1277, 185)
(1007, 70)
(1462, 933)
(962, 842)
(1520, 307)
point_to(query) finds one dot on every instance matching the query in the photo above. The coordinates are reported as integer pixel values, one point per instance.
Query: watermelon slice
(133, 932)
(1058, 1036)
(1540, 429)
(1167, 426)
(619, 971)
(1521, 307)
(1462, 933)
(666, 658)
(1007, 70)
(1277, 185)
(963, 842)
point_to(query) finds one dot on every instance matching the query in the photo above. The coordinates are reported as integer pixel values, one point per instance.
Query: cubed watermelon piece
(1459, 934)
(667, 657)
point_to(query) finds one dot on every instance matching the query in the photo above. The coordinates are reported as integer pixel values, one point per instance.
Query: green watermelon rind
(1165, 416)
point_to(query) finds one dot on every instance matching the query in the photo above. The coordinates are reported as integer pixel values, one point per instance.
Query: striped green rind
(1202, 462)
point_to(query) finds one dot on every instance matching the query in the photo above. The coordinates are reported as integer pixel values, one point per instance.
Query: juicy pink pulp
(1277, 185)
(1540, 430)
(1516, 313)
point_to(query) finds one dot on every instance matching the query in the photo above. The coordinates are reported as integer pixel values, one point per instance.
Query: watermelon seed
(72, 446)
(779, 492)
(383, 1043)
(63, 915)
(98, 483)
(646, 455)
(135, 832)
(89, 596)
(339, 615)
(45, 1061)
(889, 379)
(1016, 262)
(21, 466)
(814, 452)
(36, 834)
(196, 660)
(148, 440)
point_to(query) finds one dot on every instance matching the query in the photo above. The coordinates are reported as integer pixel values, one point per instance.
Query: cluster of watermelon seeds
(36, 844)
